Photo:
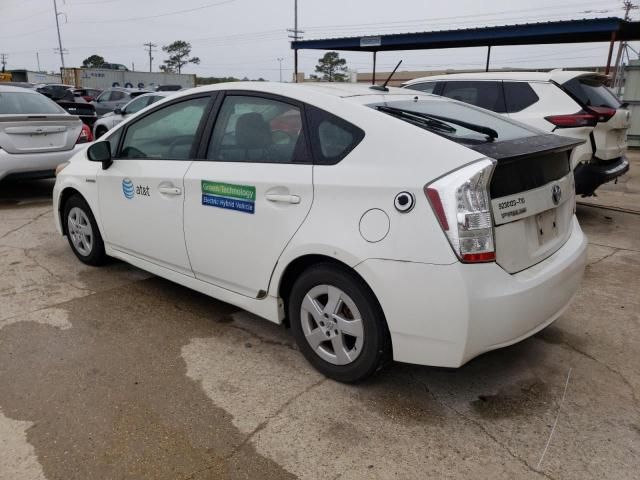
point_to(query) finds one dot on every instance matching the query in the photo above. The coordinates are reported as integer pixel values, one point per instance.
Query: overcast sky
(246, 37)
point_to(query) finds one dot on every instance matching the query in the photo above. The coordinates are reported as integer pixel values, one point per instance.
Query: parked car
(574, 104)
(168, 88)
(88, 94)
(114, 66)
(387, 225)
(29, 85)
(115, 97)
(64, 96)
(36, 134)
(111, 119)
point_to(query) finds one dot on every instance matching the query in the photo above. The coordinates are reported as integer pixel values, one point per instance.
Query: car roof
(9, 88)
(558, 76)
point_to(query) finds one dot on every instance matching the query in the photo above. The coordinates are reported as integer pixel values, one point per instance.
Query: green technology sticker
(226, 195)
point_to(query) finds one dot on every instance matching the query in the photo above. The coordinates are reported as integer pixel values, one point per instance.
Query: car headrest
(252, 131)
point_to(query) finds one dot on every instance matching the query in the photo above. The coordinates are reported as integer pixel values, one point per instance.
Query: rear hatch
(32, 123)
(532, 188)
(610, 133)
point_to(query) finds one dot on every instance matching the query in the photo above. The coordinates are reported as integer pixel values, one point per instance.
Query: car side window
(426, 87)
(137, 105)
(257, 130)
(104, 97)
(518, 96)
(165, 134)
(482, 94)
(116, 96)
(332, 138)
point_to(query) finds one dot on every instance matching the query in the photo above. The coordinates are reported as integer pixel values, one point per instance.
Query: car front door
(141, 194)
(247, 199)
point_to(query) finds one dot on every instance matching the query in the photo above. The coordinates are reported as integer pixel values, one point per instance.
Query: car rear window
(518, 96)
(592, 92)
(19, 103)
(484, 94)
(505, 128)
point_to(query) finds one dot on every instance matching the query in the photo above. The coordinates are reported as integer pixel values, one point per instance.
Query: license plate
(547, 225)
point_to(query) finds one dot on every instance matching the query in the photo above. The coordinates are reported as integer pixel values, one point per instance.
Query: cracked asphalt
(112, 373)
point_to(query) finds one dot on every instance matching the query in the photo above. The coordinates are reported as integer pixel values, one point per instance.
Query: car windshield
(26, 103)
(455, 120)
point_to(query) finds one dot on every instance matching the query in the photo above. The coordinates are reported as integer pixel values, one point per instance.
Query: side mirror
(119, 111)
(100, 152)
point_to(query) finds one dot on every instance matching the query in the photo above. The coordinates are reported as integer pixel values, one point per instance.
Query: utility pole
(295, 35)
(618, 73)
(280, 62)
(3, 60)
(55, 10)
(150, 46)
(38, 60)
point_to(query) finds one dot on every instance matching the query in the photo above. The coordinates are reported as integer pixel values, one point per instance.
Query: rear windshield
(477, 119)
(27, 103)
(592, 92)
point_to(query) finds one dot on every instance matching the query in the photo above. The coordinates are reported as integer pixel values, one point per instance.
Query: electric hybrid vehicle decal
(231, 197)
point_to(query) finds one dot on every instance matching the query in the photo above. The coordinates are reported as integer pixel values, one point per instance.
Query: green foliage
(331, 67)
(179, 52)
(94, 61)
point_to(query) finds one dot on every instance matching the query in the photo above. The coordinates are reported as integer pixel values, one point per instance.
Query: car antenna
(383, 87)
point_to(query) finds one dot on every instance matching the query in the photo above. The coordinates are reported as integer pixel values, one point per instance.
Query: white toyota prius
(378, 224)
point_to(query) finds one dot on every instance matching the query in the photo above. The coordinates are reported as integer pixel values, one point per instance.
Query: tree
(332, 67)
(179, 52)
(94, 61)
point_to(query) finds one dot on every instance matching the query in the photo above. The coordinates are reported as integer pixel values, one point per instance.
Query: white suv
(573, 104)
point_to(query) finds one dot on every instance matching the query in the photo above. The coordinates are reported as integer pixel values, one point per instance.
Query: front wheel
(82, 232)
(338, 323)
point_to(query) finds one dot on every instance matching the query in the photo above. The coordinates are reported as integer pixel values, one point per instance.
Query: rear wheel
(338, 323)
(82, 232)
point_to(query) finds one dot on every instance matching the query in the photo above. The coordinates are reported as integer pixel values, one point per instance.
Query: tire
(100, 131)
(82, 231)
(361, 350)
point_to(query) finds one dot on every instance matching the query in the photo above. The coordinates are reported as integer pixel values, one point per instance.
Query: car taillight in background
(85, 135)
(602, 114)
(579, 119)
(460, 201)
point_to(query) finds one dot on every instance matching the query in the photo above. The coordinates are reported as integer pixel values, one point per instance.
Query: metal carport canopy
(566, 31)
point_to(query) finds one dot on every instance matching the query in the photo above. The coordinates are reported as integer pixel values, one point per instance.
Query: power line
(150, 46)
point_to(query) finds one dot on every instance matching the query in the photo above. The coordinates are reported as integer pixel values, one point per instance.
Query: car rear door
(141, 195)
(246, 200)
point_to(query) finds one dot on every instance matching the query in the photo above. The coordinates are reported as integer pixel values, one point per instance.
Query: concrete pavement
(112, 373)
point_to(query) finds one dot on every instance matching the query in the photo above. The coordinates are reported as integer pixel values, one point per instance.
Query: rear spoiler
(526, 147)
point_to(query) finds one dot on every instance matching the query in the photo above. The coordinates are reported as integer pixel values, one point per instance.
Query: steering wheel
(176, 142)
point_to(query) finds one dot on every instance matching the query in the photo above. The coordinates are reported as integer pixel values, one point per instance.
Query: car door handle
(170, 190)
(274, 197)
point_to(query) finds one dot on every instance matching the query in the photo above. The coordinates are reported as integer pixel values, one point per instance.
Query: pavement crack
(618, 248)
(482, 428)
(261, 426)
(27, 254)
(615, 250)
(29, 222)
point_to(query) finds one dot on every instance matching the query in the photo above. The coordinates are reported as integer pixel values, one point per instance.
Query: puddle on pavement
(109, 398)
(522, 398)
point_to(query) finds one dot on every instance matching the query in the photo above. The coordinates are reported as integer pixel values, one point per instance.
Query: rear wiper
(417, 118)
(489, 132)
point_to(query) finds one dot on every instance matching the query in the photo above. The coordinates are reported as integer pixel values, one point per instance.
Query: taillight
(460, 201)
(85, 135)
(602, 114)
(580, 119)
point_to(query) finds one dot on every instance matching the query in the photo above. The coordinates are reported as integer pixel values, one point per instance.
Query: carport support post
(486, 69)
(373, 78)
(613, 41)
(295, 65)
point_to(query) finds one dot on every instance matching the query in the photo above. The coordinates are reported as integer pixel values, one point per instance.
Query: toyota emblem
(556, 194)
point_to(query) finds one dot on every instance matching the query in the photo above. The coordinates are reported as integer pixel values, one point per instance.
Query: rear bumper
(444, 315)
(589, 176)
(34, 165)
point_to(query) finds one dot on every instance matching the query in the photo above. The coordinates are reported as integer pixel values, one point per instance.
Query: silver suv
(115, 97)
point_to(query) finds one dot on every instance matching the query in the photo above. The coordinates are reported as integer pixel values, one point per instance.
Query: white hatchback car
(378, 225)
(36, 134)
(569, 103)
